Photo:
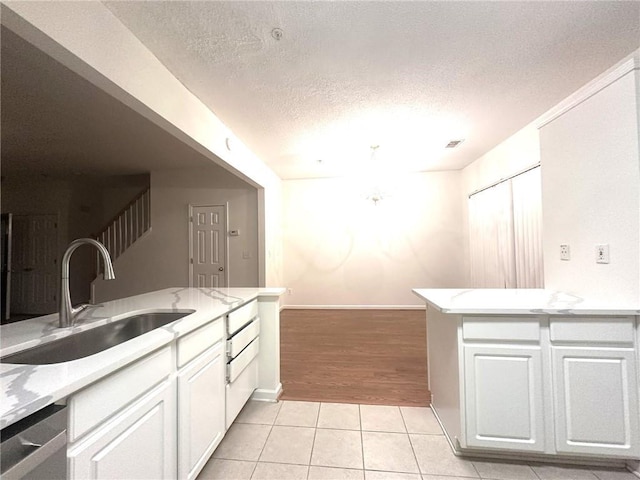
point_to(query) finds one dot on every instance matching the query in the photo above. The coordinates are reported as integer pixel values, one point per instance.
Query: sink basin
(96, 340)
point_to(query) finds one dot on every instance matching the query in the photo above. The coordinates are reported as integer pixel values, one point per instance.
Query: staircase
(125, 228)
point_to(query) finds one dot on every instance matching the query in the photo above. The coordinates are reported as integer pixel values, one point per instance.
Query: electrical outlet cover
(602, 253)
(565, 253)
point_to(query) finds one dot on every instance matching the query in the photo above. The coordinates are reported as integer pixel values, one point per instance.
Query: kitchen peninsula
(532, 373)
(179, 384)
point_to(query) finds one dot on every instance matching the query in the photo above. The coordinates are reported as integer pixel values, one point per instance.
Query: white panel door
(208, 246)
(201, 411)
(504, 397)
(596, 401)
(34, 264)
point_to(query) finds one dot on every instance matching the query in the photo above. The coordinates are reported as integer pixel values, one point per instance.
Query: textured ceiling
(409, 76)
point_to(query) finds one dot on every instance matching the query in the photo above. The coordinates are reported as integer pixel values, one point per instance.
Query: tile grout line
(313, 445)
(262, 449)
(413, 450)
(534, 471)
(361, 440)
(267, 439)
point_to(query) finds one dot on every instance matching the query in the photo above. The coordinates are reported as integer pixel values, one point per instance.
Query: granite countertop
(498, 301)
(28, 388)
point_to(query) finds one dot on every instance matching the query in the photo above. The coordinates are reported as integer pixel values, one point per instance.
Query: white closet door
(527, 227)
(491, 238)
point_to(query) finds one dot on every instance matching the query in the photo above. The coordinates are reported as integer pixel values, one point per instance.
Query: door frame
(6, 273)
(225, 207)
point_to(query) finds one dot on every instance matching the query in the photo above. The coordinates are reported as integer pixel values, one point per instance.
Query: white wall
(161, 258)
(341, 249)
(591, 194)
(76, 33)
(591, 182)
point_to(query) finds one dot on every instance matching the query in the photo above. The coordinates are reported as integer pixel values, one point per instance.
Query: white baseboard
(263, 395)
(354, 307)
(532, 457)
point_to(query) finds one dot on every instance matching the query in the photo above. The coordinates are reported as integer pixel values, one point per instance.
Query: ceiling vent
(454, 143)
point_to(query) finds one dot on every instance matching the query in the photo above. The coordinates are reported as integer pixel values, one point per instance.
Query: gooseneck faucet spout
(67, 312)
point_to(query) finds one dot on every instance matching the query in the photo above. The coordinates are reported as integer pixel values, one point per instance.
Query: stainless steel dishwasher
(35, 448)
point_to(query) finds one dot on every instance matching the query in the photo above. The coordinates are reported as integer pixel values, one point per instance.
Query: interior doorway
(208, 246)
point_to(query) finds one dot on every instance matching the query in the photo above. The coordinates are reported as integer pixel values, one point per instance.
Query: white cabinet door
(201, 410)
(138, 443)
(596, 401)
(504, 397)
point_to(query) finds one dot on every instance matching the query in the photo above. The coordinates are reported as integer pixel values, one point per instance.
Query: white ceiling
(409, 76)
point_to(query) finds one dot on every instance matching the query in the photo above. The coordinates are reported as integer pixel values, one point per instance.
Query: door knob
(220, 269)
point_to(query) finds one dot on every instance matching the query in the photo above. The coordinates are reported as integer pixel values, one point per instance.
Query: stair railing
(126, 227)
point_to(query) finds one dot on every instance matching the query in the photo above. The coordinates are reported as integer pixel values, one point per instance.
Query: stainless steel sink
(96, 340)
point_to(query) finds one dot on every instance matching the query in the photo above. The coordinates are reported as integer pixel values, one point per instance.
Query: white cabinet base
(596, 401)
(504, 397)
(557, 389)
(138, 443)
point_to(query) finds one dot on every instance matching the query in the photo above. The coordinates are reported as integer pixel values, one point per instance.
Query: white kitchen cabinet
(201, 410)
(504, 403)
(596, 401)
(137, 443)
(565, 385)
(243, 348)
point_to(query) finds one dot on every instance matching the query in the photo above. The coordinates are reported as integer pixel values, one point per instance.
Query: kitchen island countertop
(498, 301)
(28, 388)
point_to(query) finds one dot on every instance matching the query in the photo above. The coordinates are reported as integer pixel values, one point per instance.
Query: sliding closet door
(527, 228)
(491, 235)
(505, 233)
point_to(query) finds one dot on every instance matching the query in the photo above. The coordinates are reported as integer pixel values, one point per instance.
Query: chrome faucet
(67, 311)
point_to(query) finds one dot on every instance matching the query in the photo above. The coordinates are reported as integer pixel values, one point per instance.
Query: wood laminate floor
(354, 356)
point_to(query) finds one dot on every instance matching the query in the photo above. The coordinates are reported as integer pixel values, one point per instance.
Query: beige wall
(341, 249)
(82, 204)
(160, 259)
(118, 191)
(79, 209)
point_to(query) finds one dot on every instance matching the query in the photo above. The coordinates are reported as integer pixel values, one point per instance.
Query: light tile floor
(329, 441)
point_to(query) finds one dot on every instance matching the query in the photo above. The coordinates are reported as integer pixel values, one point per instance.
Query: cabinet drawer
(239, 391)
(193, 344)
(243, 338)
(91, 406)
(238, 364)
(501, 328)
(618, 330)
(240, 317)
